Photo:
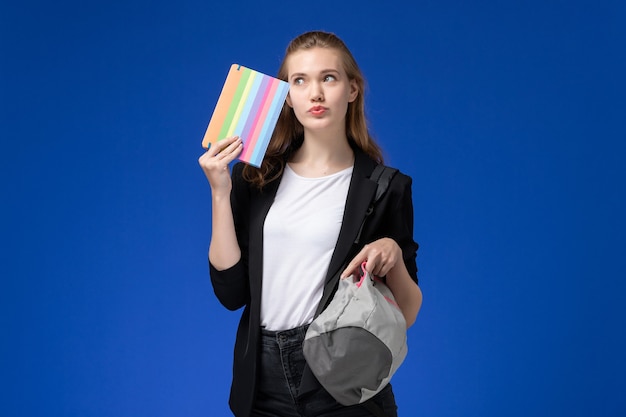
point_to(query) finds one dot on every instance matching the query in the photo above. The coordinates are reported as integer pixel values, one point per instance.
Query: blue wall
(510, 117)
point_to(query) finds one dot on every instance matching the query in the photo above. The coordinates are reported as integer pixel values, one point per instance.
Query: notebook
(248, 107)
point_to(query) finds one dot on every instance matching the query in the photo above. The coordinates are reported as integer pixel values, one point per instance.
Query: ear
(288, 99)
(354, 91)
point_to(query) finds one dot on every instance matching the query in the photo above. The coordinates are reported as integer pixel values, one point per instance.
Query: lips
(317, 110)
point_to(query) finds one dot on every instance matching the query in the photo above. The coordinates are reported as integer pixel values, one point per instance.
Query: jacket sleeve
(232, 285)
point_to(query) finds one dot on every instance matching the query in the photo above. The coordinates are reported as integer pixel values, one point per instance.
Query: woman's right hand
(215, 160)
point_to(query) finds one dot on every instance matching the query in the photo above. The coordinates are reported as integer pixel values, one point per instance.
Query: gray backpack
(356, 343)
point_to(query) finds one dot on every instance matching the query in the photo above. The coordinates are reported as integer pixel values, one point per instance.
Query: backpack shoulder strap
(382, 175)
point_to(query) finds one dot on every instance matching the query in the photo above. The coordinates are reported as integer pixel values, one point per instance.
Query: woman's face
(319, 89)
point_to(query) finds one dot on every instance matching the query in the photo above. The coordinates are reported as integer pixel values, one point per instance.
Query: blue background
(509, 115)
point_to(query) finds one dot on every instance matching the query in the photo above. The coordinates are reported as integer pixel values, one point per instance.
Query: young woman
(279, 231)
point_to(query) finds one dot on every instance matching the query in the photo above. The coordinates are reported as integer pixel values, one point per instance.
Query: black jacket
(240, 285)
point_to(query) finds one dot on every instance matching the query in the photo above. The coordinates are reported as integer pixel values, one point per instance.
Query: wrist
(220, 195)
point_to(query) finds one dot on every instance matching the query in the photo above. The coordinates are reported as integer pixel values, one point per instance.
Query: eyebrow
(326, 71)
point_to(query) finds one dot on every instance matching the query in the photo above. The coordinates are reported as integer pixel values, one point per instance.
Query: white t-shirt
(299, 237)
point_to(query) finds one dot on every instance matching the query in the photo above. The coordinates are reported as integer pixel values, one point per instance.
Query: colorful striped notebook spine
(248, 107)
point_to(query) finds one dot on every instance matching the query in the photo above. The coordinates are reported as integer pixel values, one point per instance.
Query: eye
(329, 78)
(298, 81)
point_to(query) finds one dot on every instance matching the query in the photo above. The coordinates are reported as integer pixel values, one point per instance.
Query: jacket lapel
(259, 209)
(360, 195)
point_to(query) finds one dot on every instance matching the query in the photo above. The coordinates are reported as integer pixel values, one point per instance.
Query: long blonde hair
(289, 132)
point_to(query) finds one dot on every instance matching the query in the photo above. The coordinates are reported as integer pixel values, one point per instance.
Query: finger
(229, 154)
(353, 265)
(383, 266)
(209, 161)
(348, 271)
(372, 266)
(220, 145)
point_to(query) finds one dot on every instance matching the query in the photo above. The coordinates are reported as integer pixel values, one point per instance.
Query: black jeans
(280, 373)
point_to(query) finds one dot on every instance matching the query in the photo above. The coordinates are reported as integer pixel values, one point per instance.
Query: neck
(322, 155)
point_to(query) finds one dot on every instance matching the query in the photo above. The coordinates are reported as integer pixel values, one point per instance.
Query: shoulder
(402, 179)
(241, 184)
(364, 167)
(399, 190)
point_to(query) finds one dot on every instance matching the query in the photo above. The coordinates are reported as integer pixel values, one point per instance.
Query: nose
(317, 93)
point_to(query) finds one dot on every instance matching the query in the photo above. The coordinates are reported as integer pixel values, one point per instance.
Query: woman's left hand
(381, 256)
(384, 258)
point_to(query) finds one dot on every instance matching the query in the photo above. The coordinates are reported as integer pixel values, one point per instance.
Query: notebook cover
(248, 107)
